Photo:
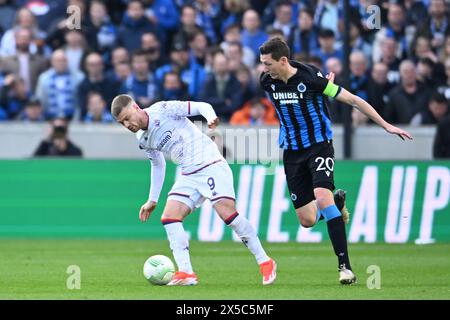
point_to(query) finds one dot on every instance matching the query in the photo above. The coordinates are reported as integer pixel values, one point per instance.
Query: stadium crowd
(53, 65)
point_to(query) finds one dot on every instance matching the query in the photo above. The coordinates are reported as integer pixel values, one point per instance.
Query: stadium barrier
(391, 201)
(255, 143)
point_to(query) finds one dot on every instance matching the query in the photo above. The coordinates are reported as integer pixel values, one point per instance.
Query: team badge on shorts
(293, 196)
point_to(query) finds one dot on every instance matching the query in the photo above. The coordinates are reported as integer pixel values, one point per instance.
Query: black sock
(336, 231)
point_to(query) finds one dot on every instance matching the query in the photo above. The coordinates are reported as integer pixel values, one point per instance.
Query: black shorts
(309, 169)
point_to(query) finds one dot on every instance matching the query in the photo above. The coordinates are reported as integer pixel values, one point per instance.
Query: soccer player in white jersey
(163, 129)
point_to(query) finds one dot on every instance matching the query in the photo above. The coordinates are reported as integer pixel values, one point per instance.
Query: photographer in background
(58, 143)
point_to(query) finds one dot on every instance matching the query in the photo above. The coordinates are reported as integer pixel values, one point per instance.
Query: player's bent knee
(175, 210)
(324, 197)
(307, 222)
(225, 208)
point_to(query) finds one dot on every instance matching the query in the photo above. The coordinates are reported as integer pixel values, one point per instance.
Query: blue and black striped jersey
(301, 106)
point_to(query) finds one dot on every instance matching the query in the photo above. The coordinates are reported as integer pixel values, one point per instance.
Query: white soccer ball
(159, 269)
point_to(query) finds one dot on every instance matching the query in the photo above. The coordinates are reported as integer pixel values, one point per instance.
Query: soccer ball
(159, 269)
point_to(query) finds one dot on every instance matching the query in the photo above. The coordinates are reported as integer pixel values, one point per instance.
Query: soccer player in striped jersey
(298, 91)
(163, 129)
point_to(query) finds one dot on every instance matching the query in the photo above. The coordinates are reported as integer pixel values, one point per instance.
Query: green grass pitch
(112, 269)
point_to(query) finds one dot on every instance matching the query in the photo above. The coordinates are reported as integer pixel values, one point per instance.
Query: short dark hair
(438, 97)
(276, 47)
(326, 33)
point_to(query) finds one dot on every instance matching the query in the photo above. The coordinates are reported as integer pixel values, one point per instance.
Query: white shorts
(214, 182)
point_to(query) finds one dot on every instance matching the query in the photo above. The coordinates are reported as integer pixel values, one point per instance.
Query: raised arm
(355, 101)
(192, 108)
(157, 175)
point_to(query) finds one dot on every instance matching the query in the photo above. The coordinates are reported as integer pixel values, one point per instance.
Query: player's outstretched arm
(355, 101)
(207, 111)
(158, 172)
(192, 108)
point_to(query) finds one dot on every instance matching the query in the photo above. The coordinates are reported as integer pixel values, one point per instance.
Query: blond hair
(119, 103)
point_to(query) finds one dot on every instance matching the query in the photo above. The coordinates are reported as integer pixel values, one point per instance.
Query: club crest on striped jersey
(301, 87)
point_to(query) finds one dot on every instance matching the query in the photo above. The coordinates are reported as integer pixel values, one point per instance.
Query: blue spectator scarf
(61, 101)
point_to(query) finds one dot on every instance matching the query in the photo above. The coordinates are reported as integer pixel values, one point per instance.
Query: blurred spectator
(357, 41)
(57, 30)
(173, 87)
(141, 83)
(426, 73)
(118, 56)
(379, 87)
(13, 96)
(358, 74)
(134, 25)
(164, 14)
(258, 111)
(421, 49)
(198, 45)
(151, 45)
(334, 65)
(96, 81)
(233, 36)
(245, 79)
(101, 34)
(304, 36)
(46, 11)
(416, 12)
(388, 57)
(445, 87)
(268, 14)
(24, 20)
(234, 10)
(327, 15)
(57, 88)
(58, 143)
(441, 144)
(33, 112)
(192, 74)
(283, 18)
(407, 98)
(327, 46)
(252, 36)
(7, 12)
(24, 64)
(359, 81)
(74, 48)
(120, 73)
(235, 56)
(188, 25)
(437, 26)
(97, 109)
(222, 90)
(395, 28)
(208, 18)
(437, 110)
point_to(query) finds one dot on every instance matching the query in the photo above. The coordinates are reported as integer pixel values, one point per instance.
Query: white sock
(247, 234)
(179, 243)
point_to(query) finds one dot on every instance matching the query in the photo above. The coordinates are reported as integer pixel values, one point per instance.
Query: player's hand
(213, 124)
(331, 76)
(401, 133)
(146, 210)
